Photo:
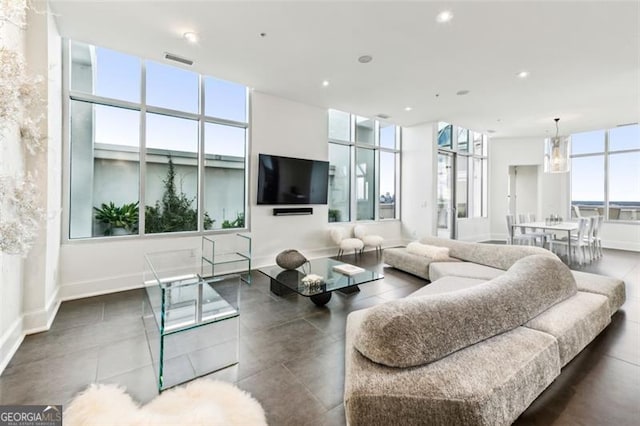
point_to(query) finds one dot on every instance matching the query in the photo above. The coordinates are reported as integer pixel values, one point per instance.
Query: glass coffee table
(285, 282)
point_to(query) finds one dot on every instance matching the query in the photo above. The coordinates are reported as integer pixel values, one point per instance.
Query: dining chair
(531, 232)
(589, 236)
(545, 236)
(578, 242)
(522, 238)
(597, 242)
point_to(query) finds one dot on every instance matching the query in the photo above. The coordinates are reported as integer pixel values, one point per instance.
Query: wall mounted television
(287, 180)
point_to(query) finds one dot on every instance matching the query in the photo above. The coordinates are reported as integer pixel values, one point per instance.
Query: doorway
(522, 194)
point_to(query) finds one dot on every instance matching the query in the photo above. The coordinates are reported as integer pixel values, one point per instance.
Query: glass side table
(191, 317)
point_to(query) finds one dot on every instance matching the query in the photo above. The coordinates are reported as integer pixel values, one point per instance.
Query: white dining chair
(538, 238)
(578, 242)
(597, 242)
(522, 238)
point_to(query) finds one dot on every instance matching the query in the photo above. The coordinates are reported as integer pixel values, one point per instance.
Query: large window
(364, 154)
(153, 148)
(470, 151)
(605, 173)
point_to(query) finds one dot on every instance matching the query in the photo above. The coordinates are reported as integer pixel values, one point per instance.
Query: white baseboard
(10, 342)
(99, 286)
(621, 245)
(41, 320)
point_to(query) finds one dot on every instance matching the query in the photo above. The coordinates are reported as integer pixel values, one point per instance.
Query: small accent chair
(360, 231)
(345, 242)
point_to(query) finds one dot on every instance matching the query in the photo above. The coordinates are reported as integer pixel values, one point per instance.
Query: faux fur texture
(434, 252)
(200, 403)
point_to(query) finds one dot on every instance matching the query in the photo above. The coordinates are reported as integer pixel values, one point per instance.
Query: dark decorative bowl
(290, 259)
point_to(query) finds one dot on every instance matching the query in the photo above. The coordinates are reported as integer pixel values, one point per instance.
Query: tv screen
(286, 180)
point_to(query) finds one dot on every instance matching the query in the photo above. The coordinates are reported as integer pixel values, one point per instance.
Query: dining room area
(589, 201)
(574, 241)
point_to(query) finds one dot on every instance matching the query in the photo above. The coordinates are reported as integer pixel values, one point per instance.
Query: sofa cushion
(575, 322)
(437, 270)
(495, 255)
(435, 253)
(400, 258)
(613, 288)
(446, 285)
(414, 331)
(489, 383)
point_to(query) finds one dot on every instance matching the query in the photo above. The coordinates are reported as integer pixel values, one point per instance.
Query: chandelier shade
(556, 153)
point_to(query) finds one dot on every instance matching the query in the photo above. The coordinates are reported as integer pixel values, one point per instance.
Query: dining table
(567, 227)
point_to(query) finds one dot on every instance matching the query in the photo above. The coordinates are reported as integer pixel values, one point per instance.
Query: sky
(587, 173)
(118, 76)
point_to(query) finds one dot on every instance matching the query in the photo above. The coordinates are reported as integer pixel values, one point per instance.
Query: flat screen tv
(286, 180)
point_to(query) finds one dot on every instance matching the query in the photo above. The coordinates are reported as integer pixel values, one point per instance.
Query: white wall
(28, 287)
(419, 170)
(40, 300)
(11, 267)
(474, 229)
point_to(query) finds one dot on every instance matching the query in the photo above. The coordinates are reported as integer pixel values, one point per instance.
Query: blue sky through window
(587, 173)
(118, 76)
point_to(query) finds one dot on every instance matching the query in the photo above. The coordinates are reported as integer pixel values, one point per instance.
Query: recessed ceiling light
(444, 16)
(325, 83)
(462, 92)
(523, 74)
(365, 59)
(191, 37)
(408, 108)
(263, 35)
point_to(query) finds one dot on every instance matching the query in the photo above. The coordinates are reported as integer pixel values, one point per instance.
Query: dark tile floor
(292, 353)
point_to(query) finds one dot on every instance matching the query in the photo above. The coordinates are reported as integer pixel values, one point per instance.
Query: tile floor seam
(122, 372)
(620, 359)
(305, 387)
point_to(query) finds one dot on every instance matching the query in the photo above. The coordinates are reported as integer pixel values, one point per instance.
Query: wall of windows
(471, 166)
(364, 154)
(605, 173)
(153, 148)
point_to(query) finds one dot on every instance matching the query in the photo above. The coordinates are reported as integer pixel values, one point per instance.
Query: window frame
(353, 145)
(606, 153)
(69, 95)
(470, 157)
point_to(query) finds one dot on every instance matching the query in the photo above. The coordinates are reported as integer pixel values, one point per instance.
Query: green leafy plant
(334, 215)
(174, 213)
(112, 216)
(237, 223)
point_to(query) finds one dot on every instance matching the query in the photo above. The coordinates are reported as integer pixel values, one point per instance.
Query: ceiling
(583, 56)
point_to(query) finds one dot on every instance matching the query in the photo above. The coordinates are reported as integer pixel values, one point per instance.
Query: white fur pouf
(203, 403)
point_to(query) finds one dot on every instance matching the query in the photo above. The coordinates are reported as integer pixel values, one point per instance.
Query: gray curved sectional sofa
(479, 343)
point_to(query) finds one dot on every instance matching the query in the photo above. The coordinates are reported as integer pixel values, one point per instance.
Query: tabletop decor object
(290, 259)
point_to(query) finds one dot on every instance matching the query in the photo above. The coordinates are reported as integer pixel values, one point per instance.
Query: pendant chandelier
(556, 153)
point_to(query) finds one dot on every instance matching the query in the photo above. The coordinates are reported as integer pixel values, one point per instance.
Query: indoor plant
(118, 220)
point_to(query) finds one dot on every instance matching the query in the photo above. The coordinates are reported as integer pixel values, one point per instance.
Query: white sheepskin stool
(368, 240)
(200, 403)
